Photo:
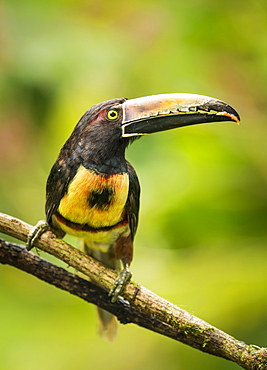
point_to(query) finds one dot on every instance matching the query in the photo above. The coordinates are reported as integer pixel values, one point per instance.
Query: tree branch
(139, 305)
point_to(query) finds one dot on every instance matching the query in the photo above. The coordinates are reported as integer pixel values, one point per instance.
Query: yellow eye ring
(112, 114)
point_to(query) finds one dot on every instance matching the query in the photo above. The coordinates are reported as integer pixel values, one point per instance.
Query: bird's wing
(132, 204)
(57, 184)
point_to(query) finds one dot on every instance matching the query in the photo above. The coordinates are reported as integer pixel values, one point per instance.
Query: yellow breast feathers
(95, 199)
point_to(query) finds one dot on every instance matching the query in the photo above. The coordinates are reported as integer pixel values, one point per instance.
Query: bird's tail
(107, 326)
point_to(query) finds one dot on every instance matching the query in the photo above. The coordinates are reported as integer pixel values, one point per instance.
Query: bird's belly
(99, 239)
(94, 199)
(103, 240)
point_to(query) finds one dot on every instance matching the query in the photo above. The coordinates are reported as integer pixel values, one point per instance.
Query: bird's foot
(35, 233)
(120, 283)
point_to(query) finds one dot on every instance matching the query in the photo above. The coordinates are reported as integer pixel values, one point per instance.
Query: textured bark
(138, 305)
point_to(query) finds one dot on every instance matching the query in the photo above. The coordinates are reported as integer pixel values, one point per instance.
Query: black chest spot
(101, 199)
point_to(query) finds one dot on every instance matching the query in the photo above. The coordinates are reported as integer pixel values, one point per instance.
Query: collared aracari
(93, 192)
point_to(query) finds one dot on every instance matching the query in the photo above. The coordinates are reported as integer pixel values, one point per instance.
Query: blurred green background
(202, 236)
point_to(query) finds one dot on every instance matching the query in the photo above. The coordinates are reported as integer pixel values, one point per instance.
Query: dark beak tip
(223, 109)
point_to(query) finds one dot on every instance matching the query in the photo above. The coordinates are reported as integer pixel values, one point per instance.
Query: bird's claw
(35, 233)
(120, 283)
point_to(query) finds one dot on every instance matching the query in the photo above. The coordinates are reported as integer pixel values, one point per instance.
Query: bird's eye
(112, 114)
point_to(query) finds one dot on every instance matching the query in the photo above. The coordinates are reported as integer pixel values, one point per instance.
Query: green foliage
(202, 236)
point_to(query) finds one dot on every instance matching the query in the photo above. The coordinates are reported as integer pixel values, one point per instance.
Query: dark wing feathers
(133, 200)
(58, 181)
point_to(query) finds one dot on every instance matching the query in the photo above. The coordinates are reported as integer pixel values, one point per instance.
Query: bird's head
(107, 128)
(141, 116)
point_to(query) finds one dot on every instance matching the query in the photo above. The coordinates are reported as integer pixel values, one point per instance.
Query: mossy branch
(138, 305)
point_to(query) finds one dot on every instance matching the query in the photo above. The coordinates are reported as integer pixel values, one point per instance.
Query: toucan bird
(93, 192)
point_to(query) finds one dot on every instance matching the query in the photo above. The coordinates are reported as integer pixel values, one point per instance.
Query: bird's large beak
(156, 113)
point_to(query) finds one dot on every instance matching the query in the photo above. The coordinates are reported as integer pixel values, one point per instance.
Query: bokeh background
(202, 237)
